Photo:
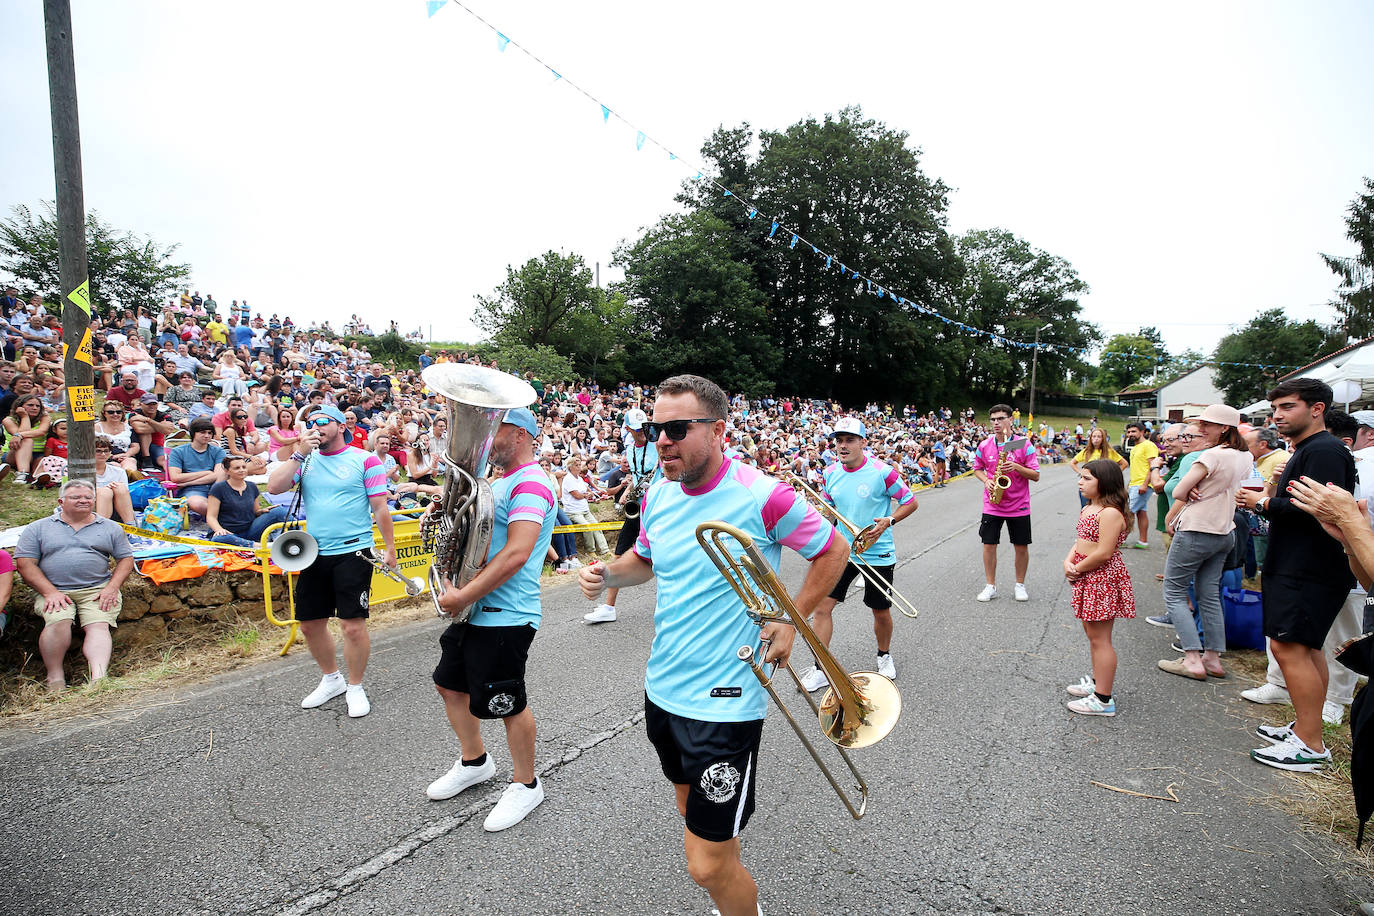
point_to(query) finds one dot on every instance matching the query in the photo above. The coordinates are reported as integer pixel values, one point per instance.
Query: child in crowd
(1101, 584)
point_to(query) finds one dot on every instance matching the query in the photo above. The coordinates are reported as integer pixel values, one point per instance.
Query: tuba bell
(458, 529)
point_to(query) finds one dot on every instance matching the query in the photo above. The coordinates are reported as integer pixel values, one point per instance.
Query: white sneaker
(574, 563)
(1085, 687)
(562, 567)
(814, 679)
(1266, 693)
(604, 613)
(460, 778)
(1020, 593)
(516, 802)
(331, 685)
(358, 703)
(988, 593)
(887, 667)
(1333, 713)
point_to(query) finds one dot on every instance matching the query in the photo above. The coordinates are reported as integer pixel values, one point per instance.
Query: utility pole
(71, 233)
(1035, 359)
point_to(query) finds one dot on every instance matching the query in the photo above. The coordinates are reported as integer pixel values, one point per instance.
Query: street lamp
(1035, 357)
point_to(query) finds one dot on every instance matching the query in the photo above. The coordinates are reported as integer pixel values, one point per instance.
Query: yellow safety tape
(598, 526)
(213, 545)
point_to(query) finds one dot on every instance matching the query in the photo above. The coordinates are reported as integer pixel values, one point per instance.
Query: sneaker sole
(446, 796)
(317, 705)
(1273, 702)
(1292, 767)
(1081, 712)
(1079, 692)
(1271, 739)
(1166, 624)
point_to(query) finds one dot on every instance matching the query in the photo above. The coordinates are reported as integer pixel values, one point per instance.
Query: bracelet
(297, 456)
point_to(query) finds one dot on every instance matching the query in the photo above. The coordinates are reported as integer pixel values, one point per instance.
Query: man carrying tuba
(481, 671)
(704, 709)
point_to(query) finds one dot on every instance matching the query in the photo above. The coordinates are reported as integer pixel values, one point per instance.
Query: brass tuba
(458, 528)
(857, 710)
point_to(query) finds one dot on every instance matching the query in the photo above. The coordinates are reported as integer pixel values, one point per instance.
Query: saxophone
(1001, 480)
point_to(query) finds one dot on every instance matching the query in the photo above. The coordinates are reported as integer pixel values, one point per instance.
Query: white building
(1185, 396)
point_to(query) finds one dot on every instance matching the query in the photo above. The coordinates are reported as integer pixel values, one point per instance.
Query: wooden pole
(71, 228)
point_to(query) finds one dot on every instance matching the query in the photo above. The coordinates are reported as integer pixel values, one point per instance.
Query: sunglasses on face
(320, 423)
(675, 430)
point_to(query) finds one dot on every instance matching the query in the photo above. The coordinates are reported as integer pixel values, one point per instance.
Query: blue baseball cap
(330, 411)
(523, 418)
(850, 425)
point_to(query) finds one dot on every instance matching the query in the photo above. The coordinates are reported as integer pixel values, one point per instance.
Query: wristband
(297, 456)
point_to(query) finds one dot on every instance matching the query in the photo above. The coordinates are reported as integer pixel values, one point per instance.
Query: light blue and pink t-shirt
(863, 494)
(336, 492)
(524, 494)
(699, 621)
(1016, 501)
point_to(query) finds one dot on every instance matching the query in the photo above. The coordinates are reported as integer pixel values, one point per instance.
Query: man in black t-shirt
(1306, 576)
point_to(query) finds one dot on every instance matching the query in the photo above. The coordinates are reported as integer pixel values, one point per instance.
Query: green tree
(695, 308)
(1270, 339)
(1010, 287)
(551, 301)
(543, 361)
(1355, 296)
(1129, 359)
(125, 271)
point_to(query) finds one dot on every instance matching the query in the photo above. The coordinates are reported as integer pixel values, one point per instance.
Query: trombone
(413, 586)
(858, 710)
(862, 539)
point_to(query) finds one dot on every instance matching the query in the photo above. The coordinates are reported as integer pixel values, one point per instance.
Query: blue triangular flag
(827, 262)
(697, 177)
(605, 113)
(434, 6)
(773, 231)
(729, 193)
(556, 74)
(501, 42)
(639, 140)
(672, 156)
(794, 241)
(753, 213)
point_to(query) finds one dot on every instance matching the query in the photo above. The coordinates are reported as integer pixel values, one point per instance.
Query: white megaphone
(294, 550)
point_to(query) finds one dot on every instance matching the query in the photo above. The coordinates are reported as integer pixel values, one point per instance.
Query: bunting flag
(641, 137)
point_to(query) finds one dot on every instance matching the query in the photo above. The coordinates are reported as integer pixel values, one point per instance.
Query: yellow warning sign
(83, 352)
(81, 296)
(82, 401)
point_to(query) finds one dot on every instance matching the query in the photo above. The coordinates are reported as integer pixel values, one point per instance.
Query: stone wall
(151, 611)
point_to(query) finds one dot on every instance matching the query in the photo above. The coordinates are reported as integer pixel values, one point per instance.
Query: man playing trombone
(704, 709)
(862, 489)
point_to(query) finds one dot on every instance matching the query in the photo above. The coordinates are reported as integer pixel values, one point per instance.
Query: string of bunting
(793, 238)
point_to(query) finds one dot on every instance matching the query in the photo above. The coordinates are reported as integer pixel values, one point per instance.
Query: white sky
(1190, 160)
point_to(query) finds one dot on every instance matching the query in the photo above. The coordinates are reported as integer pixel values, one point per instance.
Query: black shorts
(488, 664)
(873, 596)
(1018, 529)
(335, 585)
(1296, 610)
(716, 760)
(629, 533)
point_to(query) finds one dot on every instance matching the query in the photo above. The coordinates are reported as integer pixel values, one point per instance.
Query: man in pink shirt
(1013, 509)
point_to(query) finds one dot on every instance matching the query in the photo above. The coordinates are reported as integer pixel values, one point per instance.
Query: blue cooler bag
(1244, 618)
(142, 491)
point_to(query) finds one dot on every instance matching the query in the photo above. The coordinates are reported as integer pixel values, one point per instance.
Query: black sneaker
(1176, 646)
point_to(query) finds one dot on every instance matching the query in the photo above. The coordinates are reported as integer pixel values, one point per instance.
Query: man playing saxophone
(994, 464)
(644, 470)
(481, 671)
(704, 709)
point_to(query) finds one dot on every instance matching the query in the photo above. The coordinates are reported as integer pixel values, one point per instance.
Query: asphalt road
(230, 798)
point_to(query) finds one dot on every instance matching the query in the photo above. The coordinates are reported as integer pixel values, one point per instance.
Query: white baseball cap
(851, 425)
(635, 418)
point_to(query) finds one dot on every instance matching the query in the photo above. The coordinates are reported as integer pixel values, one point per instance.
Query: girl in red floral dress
(1101, 585)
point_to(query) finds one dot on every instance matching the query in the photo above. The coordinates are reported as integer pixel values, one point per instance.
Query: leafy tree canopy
(1271, 338)
(1355, 295)
(1129, 359)
(125, 271)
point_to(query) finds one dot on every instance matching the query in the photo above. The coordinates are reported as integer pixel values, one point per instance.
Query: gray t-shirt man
(71, 558)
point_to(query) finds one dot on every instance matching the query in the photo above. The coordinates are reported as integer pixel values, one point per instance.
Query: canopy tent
(1259, 408)
(1357, 367)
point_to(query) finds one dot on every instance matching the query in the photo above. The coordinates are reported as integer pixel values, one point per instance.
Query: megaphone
(294, 550)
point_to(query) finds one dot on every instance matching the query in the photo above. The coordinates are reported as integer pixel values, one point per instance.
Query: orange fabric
(173, 569)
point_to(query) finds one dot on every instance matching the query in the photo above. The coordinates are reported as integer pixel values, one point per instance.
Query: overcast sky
(1190, 160)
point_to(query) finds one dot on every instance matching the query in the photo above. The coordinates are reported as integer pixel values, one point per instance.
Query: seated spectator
(250, 445)
(128, 392)
(113, 425)
(112, 498)
(26, 428)
(182, 397)
(228, 375)
(151, 423)
(50, 470)
(235, 513)
(65, 559)
(353, 432)
(196, 466)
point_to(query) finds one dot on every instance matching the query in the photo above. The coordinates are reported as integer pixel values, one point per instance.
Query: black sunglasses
(675, 430)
